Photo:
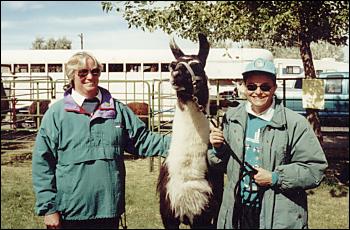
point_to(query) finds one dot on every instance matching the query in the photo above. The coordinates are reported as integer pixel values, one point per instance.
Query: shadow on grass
(337, 175)
(339, 191)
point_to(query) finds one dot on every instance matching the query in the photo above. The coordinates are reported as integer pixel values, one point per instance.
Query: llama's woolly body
(188, 189)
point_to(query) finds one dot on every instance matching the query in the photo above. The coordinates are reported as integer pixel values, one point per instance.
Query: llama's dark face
(188, 77)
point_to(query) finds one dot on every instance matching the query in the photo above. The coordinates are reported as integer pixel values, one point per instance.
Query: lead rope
(253, 170)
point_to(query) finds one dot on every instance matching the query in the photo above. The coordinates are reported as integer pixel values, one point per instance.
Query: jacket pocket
(63, 188)
(113, 133)
(290, 210)
(84, 154)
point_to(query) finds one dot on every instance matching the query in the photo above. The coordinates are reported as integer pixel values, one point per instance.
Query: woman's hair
(76, 62)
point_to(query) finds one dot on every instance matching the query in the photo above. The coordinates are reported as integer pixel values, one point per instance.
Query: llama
(32, 110)
(184, 186)
(140, 109)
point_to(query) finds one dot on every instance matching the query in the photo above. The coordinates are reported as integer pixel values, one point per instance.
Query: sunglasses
(263, 87)
(94, 72)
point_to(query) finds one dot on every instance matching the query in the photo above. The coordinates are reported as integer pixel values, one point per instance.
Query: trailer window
(333, 86)
(165, 67)
(37, 68)
(5, 68)
(133, 67)
(21, 68)
(292, 70)
(150, 67)
(113, 67)
(54, 68)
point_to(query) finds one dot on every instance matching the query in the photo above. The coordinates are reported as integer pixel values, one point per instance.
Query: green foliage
(284, 23)
(319, 50)
(39, 44)
(50, 44)
(61, 43)
(324, 50)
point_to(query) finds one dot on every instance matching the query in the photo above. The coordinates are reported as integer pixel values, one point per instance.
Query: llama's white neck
(188, 189)
(189, 141)
(190, 124)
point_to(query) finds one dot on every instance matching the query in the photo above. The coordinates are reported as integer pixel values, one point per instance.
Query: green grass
(329, 207)
(328, 204)
(17, 198)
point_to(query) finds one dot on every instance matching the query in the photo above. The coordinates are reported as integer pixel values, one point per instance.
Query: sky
(22, 22)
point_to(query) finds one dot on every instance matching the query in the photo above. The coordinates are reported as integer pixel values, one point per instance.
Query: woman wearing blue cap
(280, 158)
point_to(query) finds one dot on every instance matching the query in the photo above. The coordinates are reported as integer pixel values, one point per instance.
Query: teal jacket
(291, 149)
(78, 160)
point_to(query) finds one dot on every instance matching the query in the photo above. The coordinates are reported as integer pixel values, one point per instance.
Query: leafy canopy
(285, 23)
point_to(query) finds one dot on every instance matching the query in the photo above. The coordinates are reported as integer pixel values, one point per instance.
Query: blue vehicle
(336, 98)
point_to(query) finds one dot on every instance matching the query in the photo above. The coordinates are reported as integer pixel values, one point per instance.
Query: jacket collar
(240, 114)
(105, 110)
(266, 115)
(279, 117)
(79, 99)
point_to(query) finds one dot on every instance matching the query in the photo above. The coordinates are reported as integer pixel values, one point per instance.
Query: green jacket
(78, 160)
(290, 148)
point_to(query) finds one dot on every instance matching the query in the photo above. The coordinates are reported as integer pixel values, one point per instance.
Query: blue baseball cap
(260, 65)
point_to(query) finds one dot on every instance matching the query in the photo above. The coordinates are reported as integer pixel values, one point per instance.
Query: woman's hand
(53, 221)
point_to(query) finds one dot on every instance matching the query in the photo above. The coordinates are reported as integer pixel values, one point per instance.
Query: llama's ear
(175, 49)
(203, 48)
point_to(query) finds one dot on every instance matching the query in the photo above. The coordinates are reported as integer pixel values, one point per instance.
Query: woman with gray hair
(78, 159)
(78, 61)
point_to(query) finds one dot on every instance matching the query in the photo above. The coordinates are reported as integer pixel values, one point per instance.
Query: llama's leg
(170, 222)
(216, 180)
(206, 219)
(168, 219)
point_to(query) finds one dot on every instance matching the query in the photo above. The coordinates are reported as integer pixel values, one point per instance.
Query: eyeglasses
(94, 72)
(263, 87)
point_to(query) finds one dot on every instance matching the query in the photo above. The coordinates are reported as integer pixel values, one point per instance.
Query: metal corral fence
(29, 97)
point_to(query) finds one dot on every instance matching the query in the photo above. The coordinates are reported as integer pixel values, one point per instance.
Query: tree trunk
(306, 57)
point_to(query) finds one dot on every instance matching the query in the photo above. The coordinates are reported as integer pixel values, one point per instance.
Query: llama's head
(188, 77)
